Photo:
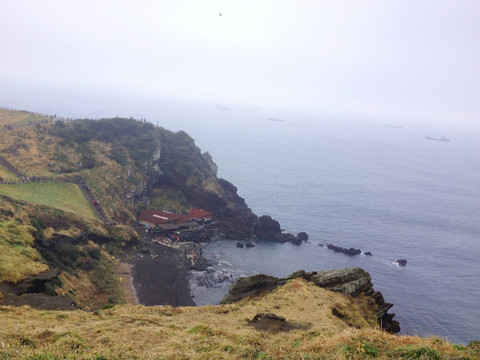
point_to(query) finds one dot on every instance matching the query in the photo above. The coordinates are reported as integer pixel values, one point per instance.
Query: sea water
(344, 180)
(362, 184)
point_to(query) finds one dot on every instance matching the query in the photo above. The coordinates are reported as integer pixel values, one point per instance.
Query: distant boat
(275, 119)
(443, 138)
(394, 126)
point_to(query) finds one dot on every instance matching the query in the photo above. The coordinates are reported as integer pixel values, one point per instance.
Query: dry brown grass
(211, 332)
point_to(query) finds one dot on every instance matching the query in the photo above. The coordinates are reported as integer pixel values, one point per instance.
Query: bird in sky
(220, 14)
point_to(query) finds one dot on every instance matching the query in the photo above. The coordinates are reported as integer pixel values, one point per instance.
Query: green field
(7, 175)
(63, 196)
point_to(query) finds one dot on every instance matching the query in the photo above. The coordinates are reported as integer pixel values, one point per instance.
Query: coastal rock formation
(269, 229)
(302, 236)
(248, 286)
(351, 281)
(349, 252)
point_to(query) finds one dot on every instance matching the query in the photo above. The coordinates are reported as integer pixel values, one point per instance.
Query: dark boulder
(290, 238)
(302, 236)
(267, 228)
(349, 252)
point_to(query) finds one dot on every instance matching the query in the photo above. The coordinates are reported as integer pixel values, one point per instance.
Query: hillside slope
(303, 327)
(127, 165)
(80, 185)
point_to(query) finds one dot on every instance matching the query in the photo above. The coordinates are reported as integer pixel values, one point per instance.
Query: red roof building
(200, 214)
(155, 217)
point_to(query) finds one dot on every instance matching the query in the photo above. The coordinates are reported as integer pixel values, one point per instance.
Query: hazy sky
(408, 58)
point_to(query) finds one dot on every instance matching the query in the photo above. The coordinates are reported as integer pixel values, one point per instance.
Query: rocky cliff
(354, 282)
(141, 165)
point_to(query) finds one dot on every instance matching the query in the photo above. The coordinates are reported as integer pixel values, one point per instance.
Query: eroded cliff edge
(354, 282)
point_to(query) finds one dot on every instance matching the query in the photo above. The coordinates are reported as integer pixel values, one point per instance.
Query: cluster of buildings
(168, 222)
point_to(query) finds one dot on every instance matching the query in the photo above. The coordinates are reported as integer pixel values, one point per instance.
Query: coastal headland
(72, 251)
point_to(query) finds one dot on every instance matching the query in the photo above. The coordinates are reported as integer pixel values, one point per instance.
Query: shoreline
(158, 274)
(123, 272)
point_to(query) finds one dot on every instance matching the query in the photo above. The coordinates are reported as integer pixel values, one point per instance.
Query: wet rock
(200, 264)
(213, 279)
(290, 238)
(268, 229)
(402, 262)
(302, 236)
(349, 252)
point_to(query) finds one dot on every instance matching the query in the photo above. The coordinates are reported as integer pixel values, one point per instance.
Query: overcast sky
(407, 58)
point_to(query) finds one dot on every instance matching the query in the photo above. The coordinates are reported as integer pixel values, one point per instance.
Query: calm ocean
(350, 182)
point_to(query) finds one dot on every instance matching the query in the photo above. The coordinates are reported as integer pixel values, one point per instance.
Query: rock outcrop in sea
(354, 282)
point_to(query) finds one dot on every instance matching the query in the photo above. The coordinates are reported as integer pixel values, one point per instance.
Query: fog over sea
(349, 181)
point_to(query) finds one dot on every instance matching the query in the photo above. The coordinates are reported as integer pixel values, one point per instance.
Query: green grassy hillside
(35, 237)
(7, 175)
(18, 256)
(63, 196)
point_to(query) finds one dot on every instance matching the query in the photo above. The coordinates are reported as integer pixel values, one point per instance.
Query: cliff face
(185, 168)
(130, 165)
